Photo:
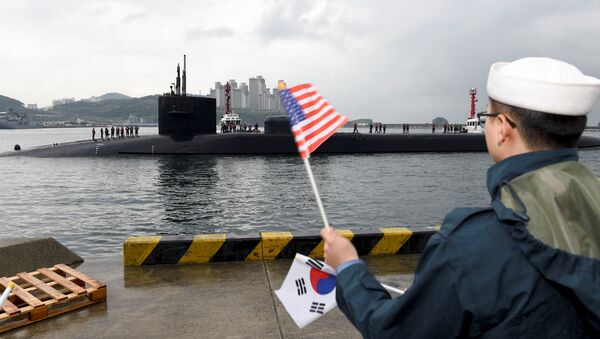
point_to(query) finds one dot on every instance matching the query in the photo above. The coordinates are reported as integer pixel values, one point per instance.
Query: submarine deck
(250, 143)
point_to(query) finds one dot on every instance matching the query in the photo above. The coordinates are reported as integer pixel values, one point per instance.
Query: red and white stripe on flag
(313, 119)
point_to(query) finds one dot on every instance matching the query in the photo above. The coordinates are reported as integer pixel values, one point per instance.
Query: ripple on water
(93, 204)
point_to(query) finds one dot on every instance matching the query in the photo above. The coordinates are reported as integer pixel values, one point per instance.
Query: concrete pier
(214, 300)
(28, 254)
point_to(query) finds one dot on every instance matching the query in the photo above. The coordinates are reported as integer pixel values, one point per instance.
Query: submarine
(187, 125)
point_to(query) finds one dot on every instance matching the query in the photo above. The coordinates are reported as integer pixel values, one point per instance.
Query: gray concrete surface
(28, 254)
(216, 300)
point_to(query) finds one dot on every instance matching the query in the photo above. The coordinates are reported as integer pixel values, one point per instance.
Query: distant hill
(109, 110)
(439, 121)
(7, 103)
(113, 96)
(359, 122)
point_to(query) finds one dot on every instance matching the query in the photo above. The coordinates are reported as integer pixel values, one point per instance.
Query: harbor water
(93, 204)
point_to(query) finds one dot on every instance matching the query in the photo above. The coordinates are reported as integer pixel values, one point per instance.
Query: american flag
(313, 119)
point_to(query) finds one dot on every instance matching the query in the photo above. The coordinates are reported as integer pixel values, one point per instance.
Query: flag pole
(313, 184)
(282, 86)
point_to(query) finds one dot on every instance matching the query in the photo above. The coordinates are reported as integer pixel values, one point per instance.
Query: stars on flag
(312, 118)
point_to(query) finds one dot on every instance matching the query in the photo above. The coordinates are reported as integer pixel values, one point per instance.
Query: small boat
(231, 122)
(231, 118)
(473, 125)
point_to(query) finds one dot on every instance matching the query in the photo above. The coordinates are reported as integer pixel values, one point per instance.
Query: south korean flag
(308, 290)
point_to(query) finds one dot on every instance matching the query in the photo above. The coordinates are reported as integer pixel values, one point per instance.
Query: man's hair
(541, 130)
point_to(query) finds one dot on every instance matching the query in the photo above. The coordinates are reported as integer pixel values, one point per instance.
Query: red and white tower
(473, 93)
(227, 98)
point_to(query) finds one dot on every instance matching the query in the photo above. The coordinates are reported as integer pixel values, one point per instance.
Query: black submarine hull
(187, 125)
(254, 143)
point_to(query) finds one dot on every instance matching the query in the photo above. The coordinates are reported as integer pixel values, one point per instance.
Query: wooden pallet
(45, 293)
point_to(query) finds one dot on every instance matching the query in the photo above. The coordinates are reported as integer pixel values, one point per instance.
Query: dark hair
(541, 130)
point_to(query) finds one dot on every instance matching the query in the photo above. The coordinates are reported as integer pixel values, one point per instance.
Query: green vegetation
(439, 121)
(116, 108)
(111, 108)
(113, 96)
(7, 103)
(108, 111)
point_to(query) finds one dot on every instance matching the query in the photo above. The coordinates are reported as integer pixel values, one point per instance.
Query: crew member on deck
(527, 265)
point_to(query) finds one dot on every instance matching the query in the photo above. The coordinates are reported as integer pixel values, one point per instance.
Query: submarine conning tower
(182, 116)
(278, 124)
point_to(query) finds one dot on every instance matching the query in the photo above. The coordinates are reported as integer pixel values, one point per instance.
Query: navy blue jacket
(483, 275)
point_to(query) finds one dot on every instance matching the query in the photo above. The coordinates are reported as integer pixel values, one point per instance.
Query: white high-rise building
(236, 94)
(219, 93)
(257, 88)
(256, 96)
(275, 102)
(236, 98)
(244, 95)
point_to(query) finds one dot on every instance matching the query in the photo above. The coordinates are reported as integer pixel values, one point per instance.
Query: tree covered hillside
(7, 103)
(116, 108)
(106, 111)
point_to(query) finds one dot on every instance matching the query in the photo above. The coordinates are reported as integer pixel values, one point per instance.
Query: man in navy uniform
(529, 265)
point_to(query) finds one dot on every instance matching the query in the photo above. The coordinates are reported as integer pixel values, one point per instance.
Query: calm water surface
(93, 204)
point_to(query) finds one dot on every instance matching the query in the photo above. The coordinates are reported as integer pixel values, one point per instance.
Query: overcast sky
(392, 61)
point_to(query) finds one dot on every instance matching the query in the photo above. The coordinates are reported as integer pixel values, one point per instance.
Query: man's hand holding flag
(308, 290)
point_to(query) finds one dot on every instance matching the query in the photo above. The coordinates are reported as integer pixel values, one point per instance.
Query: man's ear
(505, 130)
(499, 129)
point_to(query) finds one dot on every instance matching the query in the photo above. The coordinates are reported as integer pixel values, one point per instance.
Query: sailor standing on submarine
(528, 266)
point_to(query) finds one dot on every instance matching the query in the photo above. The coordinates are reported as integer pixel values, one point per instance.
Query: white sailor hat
(543, 84)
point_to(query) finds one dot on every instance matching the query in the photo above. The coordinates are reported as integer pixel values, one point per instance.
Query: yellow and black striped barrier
(203, 248)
